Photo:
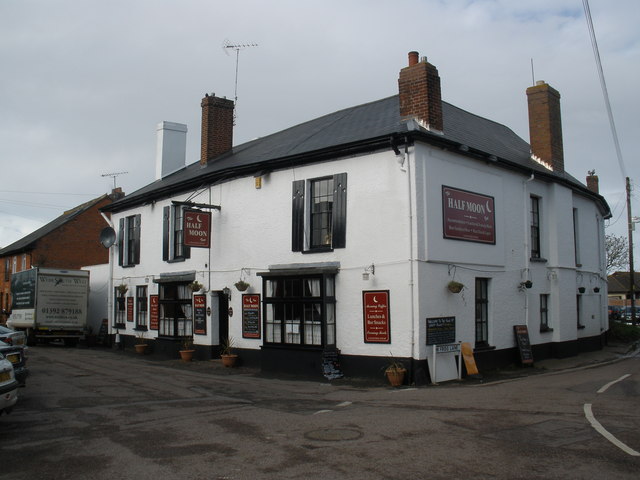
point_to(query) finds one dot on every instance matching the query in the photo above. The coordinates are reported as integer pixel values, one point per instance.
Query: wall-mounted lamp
(371, 269)
(226, 291)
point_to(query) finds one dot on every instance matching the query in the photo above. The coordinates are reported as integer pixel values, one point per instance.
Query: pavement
(612, 352)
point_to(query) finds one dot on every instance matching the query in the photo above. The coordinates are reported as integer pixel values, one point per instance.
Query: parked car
(12, 337)
(8, 386)
(16, 355)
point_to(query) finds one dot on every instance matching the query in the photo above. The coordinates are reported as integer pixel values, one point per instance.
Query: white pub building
(380, 230)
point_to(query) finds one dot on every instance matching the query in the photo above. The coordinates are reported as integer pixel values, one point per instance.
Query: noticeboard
(441, 330)
(250, 315)
(200, 314)
(524, 347)
(129, 309)
(375, 310)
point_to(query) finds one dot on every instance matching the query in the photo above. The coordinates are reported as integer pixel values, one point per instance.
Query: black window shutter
(186, 250)
(166, 213)
(297, 217)
(339, 210)
(121, 246)
(136, 240)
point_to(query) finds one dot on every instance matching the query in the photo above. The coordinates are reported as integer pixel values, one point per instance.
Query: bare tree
(617, 253)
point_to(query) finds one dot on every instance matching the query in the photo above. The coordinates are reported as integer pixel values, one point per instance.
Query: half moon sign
(198, 219)
(375, 299)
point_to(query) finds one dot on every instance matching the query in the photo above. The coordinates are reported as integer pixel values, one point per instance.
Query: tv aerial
(226, 46)
(113, 175)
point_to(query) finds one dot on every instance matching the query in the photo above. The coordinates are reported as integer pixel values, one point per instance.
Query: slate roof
(357, 129)
(618, 282)
(28, 242)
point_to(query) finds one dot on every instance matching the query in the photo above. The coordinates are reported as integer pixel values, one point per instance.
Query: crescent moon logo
(375, 299)
(489, 208)
(198, 219)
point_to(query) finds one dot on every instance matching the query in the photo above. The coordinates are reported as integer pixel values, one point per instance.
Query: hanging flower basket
(241, 285)
(195, 286)
(455, 287)
(122, 289)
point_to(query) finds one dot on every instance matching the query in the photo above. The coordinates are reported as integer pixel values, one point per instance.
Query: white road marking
(322, 411)
(603, 431)
(605, 387)
(343, 404)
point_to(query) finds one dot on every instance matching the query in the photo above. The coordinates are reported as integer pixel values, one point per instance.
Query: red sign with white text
(154, 312)
(468, 216)
(375, 307)
(197, 228)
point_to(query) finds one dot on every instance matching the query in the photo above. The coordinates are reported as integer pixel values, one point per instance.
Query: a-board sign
(448, 348)
(524, 347)
(103, 332)
(200, 314)
(331, 364)
(441, 330)
(251, 315)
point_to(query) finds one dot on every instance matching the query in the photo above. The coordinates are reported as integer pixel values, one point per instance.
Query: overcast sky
(83, 83)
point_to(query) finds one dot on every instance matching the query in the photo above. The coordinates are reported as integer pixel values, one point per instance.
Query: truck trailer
(50, 304)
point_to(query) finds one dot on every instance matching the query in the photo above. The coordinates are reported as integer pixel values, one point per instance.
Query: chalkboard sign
(331, 364)
(441, 330)
(524, 347)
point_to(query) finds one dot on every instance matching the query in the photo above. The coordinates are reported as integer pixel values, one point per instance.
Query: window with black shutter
(319, 218)
(129, 241)
(173, 248)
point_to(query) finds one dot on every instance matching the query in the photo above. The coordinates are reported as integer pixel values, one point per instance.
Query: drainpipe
(411, 249)
(110, 281)
(526, 244)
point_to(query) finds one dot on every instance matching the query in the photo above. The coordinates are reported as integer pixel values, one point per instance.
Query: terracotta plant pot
(229, 360)
(186, 355)
(141, 348)
(395, 376)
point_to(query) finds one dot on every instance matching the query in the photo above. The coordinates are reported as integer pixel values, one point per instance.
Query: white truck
(50, 304)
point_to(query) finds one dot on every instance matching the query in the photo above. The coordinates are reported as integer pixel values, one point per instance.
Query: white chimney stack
(171, 148)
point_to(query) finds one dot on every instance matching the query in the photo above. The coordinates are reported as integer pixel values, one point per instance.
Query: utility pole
(632, 286)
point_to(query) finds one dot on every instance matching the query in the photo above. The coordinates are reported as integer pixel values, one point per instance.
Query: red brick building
(70, 241)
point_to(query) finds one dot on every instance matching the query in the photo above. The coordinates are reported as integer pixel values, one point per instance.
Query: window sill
(318, 250)
(119, 326)
(130, 265)
(545, 329)
(538, 260)
(141, 328)
(175, 260)
(580, 327)
(483, 348)
(291, 346)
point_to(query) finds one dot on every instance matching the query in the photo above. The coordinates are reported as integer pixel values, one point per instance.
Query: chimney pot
(217, 127)
(593, 182)
(413, 58)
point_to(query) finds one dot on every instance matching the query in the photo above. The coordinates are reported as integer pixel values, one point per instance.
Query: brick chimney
(420, 97)
(545, 125)
(217, 127)
(593, 181)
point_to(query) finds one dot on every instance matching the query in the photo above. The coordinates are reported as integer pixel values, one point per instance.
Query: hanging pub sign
(375, 306)
(200, 314)
(154, 312)
(197, 228)
(468, 216)
(251, 316)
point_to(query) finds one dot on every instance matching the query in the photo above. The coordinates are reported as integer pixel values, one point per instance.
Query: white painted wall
(402, 237)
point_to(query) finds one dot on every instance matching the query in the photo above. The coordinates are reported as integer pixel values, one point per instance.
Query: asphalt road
(91, 413)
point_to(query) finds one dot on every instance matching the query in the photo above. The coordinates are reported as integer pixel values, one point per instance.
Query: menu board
(524, 347)
(441, 330)
(129, 309)
(251, 315)
(154, 312)
(200, 314)
(375, 306)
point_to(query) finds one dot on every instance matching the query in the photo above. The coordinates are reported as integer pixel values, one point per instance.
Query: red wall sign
(375, 306)
(468, 216)
(251, 316)
(154, 312)
(129, 309)
(197, 228)
(200, 314)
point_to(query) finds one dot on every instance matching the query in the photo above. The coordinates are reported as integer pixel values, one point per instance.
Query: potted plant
(226, 352)
(186, 351)
(581, 289)
(395, 372)
(122, 289)
(195, 286)
(241, 285)
(141, 343)
(455, 287)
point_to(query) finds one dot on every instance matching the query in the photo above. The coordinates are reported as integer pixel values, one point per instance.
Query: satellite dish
(107, 237)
